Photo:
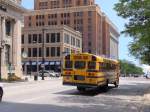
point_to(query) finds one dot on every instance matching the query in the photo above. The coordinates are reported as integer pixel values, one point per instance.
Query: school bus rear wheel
(116, 84)
(79, 88)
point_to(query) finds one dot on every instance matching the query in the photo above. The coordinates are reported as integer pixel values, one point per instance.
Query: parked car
(1, 92)
(58, 74)
(48, 73)
(55, 74)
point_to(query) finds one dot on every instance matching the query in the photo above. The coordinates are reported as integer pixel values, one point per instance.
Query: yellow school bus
(86, 70)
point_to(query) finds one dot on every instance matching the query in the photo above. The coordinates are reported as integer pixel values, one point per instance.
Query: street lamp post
(30, 62)
(35, 42)
(24, 56)
(43, 58)
(0, 63)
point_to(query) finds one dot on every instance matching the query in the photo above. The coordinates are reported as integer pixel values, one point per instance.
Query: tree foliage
(130, 68)
(138, 27)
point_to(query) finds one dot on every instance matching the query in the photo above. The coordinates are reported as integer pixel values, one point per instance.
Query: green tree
(128, 68)
(137, 12)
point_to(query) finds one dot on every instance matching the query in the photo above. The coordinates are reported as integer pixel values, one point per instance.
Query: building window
(40, 38)
(78, 43)
(58, 37)
(58, 51)
(29, 52)
(78, 2)
(43, 5)
(67, 50)
(47, 38)
(53, 51)
(37, 17)
(53, 38)
(34, 52)
(29, 39)
(90, 13)
(22, 50)
(29, 24)
(90, 51)
(22, 39)
(8, 28)
(90, 44)
(37, 24)
(40, 52)
(47, 52)
(7, 54)
(73, 41)
(85, 2)
(66, 38)
(29, 17)
(34, 38)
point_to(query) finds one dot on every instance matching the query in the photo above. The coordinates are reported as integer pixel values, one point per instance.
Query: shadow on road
(88, 107)
(22, 107)
(92, 92)
(135, 89)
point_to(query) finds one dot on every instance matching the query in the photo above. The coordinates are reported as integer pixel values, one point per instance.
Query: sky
(107, 7)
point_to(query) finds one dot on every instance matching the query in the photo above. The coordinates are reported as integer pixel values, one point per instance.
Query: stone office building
(58, 41)
(10, 37)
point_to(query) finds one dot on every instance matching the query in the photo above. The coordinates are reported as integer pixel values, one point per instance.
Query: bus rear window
(91, 65)
(68, 64)
(80, 65)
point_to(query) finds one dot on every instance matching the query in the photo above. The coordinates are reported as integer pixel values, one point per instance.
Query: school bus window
(108, 66)
(80, 64)
(91, 65)
(68, 64)
(114, 67)
(102, 67)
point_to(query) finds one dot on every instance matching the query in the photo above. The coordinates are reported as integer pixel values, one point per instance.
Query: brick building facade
(82, 15)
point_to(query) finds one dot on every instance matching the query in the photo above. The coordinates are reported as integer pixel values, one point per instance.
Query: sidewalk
(147, 96)
(146, 101)
(29, 80)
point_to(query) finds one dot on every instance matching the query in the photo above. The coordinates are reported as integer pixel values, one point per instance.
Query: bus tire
(116, 84)
(80, 88)
(105, 87)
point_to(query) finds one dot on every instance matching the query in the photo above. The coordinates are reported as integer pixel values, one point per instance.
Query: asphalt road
(52, 96)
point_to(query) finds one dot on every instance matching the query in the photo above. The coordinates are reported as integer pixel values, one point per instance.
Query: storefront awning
(58, 62)
(39, 62)
(52, 63)
(46, 63)
(27, 63)
(33, 63)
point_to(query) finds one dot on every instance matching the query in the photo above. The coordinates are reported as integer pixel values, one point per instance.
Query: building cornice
(62, 10)
(47, 28)
(12, 4)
